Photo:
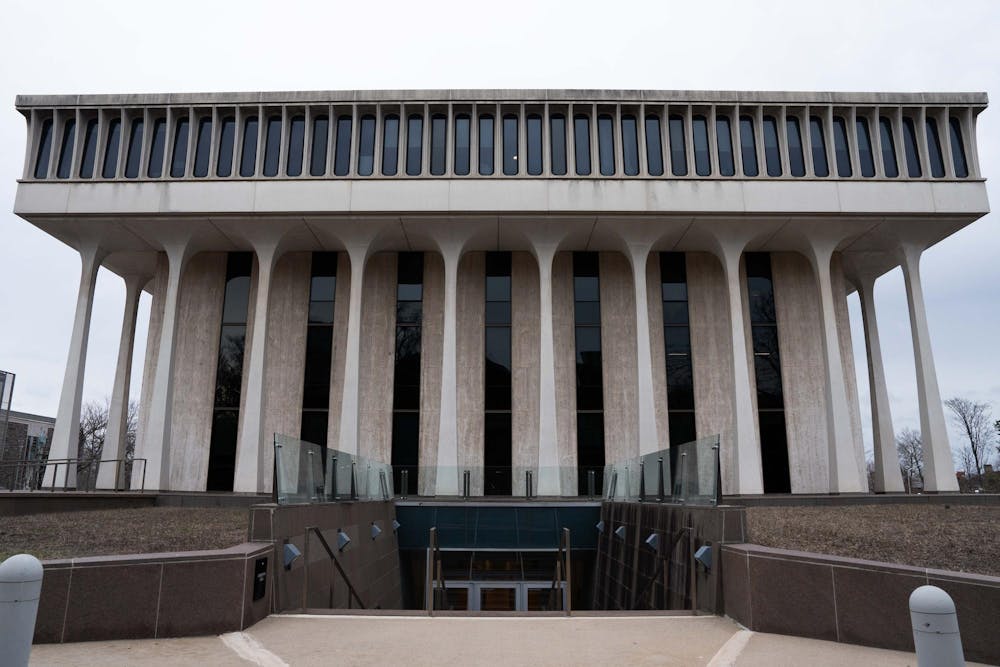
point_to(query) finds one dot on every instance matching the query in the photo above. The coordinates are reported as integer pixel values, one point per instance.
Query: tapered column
(247, 476)
(111, 475)
(349, 404)
(447, 473)
(649, 439)
(66, 434)
(939, 469)
(888, 478)
(158, 425)
(549, 477)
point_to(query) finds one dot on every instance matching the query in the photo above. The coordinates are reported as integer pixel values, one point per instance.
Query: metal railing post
(334, 493)
(718, 476)
(466, 484)
(683, 485)
(591, 483)
(528, 486)
(354, 480)
(404, 483)
(659, 479)
(310, 477)
(569, 575)
(642, 481)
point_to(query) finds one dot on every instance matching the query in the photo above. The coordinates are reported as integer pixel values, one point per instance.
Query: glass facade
(134, 155)
(702, 154)
(934, 154)
(227, 147)
(724, 141)
(748, 146)
(203, 147)
(319, 348)
(866, 156)
(772, 149)
(678, 147)
(390, 145)
(296, 145)
(841, 148)
(366, 148)
(796, 157)
(581, 144)
(888, 145)
(486, 138)
(272, 146)
(179, 160)
(463, 143)
(44, 150)
(406, 376)
(439, 143)
(677, 345)
(958, 148)
(630, 145)
(497, 453)
(111, 148)
(89, 150)
(510, 145)
(317, 152)
(817, 137)
(589, 373)
(248, 151)
(910, 148)
(654, 146)
(557, 130)
(66, 149)
(414, 144)
(534, 128)
(606, 144)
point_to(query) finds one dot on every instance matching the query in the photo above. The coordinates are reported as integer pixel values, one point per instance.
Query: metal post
(591, 483)
(718, 476)
(527, 484)
(333, 478)
(305, 570)
(354, 480)
(466, 484)
(429, 573)
(659, 479)
(310, 480)
(569, 575)
(683, 485)
(404, 483)
(382, 485)
(642, 481)
(936, 638)
(20, 590)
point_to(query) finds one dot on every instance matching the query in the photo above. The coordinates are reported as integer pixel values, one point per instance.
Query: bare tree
(975, 420)
(93, 431)
(910, 449)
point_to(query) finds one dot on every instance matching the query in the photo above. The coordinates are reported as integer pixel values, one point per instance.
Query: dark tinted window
(390, 145)
(958, 148)
(606, 144)
(678, 149)
(888, 145)
(178, 160)
(342, 149)
(227, 146)
(557, 127)
(414, 144)
(841, 148)
(910, 145)
(366, 147)
(748, 146)
(486, 145)
(865, 155)
(821, 166)
(439, 143)
(724, 139)
(272, 146)
(534, 130)
(463, 141)
(66, 149)
(796, 159)
(44, 149)
(581, 144)
(317, 152)
(702, 159)
(248, 151)
(89, 150)
(112, 148)
(510, 145)
(203, 147)
(654, 146)
(296, 145)
(630, 145)
(934, 149)
(772, 150)
(134, 156)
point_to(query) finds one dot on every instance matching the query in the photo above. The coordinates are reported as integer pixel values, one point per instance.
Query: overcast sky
(106, 46)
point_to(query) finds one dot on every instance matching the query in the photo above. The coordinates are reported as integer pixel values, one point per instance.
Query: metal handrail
(433, 595)
(36, 466)
(351, 592)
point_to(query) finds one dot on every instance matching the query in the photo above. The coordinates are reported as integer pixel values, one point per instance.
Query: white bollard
(935, 628)
(20, 588)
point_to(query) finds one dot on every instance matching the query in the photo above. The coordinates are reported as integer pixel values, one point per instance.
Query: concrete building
(505, 280)
(26, 442)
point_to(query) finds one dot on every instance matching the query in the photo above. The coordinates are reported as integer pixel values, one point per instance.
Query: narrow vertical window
(229, 373)
(272, 146)
(581, 144)
(557, 130)
(390, 145)
(934, 149)
(888, 145)
(111, 149)
(317, 154)
(44, 149)
(463, 143)
(248, 151)
(866, 157)
(342, 149)
(203, 146)
(630, 145)
(497, 450)
(486, 145)
(89, 149)
(702, 158)
(748, 146)
(65, 165)
(534, 129)
(134, 155)
(414, 144)
(841, 148)
(510, 145)
(439, 143)
(821, 166)
(796, 158)
(910, 147)
(677, 345)
(296, 145)
(366, 148)
(958, 148)
(319, 348)
(724, 140)
(606, 145)
(772, 149)
(406, 378)
(178, 160)
(654, 146)
(227, 147)
(589, 374)
(678, 147)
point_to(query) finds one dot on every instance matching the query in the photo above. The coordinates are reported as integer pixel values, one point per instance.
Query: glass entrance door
(503, 596)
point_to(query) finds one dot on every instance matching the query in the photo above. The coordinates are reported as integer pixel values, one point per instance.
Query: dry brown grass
(966, 539)
(122, 531)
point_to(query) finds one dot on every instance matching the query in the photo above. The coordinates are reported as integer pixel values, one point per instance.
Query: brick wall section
(13, 450)
(850, 600)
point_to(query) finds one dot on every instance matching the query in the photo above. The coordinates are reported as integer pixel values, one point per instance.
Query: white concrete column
(447, 483)
(112, 475)
(247, 476)
(157, 442)
(350, 400)
(66, 434)
(844, 474)
(888, 478)
(549, 477)
(649, 437)
(939, 468)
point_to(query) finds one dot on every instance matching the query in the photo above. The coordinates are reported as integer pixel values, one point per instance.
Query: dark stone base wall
(850, 600)
(629, 574)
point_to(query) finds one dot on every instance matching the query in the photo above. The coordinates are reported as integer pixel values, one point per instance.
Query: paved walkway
(419, 640)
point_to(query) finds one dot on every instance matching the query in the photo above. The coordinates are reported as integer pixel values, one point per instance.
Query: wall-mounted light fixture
(653, 541)
(291, 552)
(396, 525)
(704, 556)
(599, 526)
(620, 532)
(376, 531)
(342, 540)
